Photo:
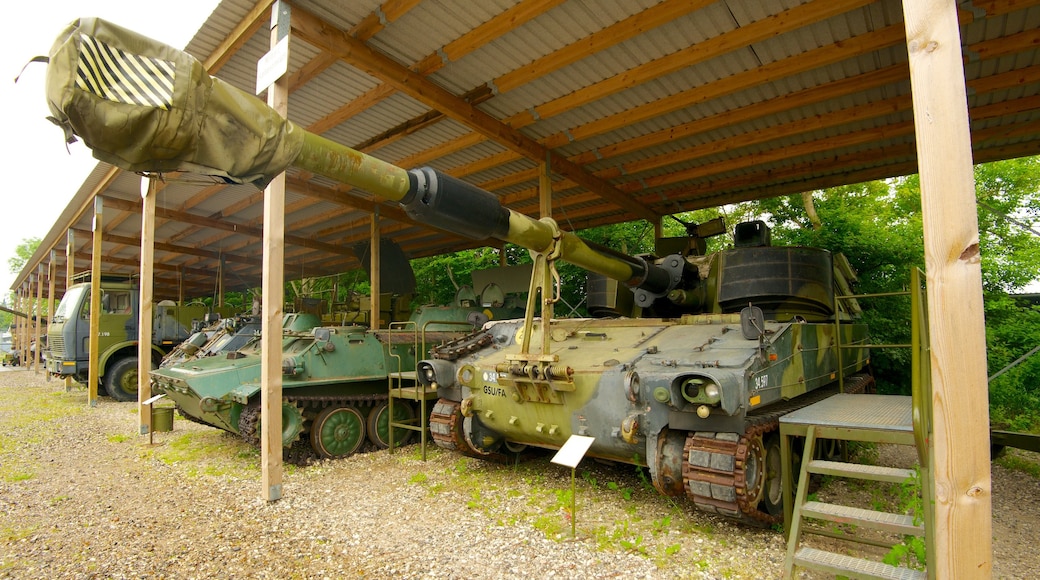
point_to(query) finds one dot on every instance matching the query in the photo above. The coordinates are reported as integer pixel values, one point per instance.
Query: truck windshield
(69, 302)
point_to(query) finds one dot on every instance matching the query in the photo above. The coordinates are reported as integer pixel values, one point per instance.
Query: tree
(22, 253)
(878, 226)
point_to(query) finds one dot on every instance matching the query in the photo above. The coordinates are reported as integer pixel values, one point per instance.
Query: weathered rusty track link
(462, 346)
(446, 428)
(714, 464)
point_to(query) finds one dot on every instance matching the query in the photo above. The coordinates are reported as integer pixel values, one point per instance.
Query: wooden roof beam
(171, 248)
(697, 196)
(1001, 81)
(879, 134)
(320, 34)
(257, 16)
(634, 25)
(468, 42)
(787, 67)
(223, 224)
(417, 123)
(736, 39)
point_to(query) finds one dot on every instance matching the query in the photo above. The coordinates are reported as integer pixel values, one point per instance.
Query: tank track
(460, 347)
(300, 451)
(713, 466)
(446, 428)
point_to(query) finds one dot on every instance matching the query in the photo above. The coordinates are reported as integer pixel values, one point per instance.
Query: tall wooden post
(180, 285)
(52, 270)
(70, 273)
(374, 277)
(273, 289)
(95, 304)
(70, 258)
(545, 187)
(144, 320)
(21, 305)
(37, 355)
(963, 526)
(221, 269)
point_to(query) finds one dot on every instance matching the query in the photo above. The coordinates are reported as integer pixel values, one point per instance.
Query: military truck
(68, 335)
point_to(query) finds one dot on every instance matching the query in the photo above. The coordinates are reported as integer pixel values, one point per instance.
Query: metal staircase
(888, 419)
(403, 384)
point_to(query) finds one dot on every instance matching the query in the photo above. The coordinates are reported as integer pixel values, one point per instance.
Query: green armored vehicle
(692, 385)
(335, 381)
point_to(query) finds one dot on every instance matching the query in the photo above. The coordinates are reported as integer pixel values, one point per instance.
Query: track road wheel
(337, 432)
(249, 423)
(121, 379)
(754, 470)
(379, 424)
(772, 501)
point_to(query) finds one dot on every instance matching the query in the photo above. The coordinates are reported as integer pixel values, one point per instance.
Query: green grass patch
(1017, 461)
(16, 476)
(14, 533)
(208, 453)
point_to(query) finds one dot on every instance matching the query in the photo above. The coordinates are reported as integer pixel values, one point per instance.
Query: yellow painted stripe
(118, 76)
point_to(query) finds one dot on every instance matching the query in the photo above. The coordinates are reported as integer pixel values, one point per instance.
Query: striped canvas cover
(147, 107)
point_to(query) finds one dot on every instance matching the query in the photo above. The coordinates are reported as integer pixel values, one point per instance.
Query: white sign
(153, 399)
(573, 451)
(272, 65)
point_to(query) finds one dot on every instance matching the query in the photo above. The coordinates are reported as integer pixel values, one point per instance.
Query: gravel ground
(83, 496)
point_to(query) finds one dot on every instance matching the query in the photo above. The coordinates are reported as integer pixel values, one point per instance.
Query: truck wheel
(121, 379)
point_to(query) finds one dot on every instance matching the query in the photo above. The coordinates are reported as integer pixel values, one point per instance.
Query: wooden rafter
(326, 37)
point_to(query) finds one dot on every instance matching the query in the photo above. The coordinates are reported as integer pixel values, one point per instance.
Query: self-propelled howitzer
(692, 388)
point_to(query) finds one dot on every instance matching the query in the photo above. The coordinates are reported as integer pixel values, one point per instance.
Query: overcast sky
(39, 175)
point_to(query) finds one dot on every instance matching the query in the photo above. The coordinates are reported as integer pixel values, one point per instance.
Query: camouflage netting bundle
(144, 106)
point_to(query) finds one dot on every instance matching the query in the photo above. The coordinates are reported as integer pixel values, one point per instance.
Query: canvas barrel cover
(144, 106)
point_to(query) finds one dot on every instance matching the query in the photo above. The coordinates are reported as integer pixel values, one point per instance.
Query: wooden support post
(144, 321)
(21, 327)
(545, 188)
(963, 520)
(180, 285)
(95, 304)
(70, 273)
(374, 266)
(273, 291)
(220, 281)
(52, 270)
(38, 324)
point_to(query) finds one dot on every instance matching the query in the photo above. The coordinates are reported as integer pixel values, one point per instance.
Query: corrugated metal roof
(679, 104)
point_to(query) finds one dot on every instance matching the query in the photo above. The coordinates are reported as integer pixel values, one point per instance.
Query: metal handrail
(419, 337)
(837, 331)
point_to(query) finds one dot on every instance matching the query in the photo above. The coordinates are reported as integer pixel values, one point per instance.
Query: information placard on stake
(570, 455)
(573, 451)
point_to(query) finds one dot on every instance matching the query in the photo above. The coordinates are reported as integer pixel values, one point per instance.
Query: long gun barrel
(147, 107)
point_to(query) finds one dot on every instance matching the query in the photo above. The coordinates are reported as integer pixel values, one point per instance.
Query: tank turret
(691, 385)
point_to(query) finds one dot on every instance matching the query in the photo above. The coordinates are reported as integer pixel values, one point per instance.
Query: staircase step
(413, 393)
(896, 523)
(860, 471)
(839, 564)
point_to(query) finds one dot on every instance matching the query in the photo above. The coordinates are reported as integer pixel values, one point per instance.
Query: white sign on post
(272, 65)
(573, 451)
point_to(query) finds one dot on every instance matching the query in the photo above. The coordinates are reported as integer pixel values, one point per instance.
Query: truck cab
(68, 336)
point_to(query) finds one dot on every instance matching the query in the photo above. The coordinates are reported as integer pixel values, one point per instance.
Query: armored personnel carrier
(691, 386)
